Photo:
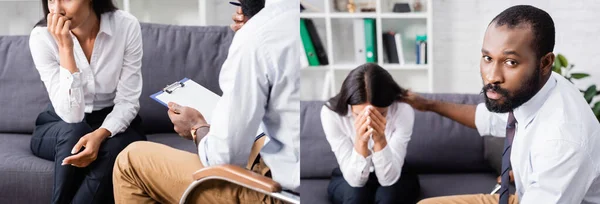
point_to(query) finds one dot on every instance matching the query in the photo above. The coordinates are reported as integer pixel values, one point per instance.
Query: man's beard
(512, 101)
(251, 7)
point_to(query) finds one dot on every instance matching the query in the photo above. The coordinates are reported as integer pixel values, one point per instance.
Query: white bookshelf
(17, 17)
(336, 33)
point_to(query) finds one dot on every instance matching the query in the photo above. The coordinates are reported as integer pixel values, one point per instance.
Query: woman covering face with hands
(88, 55)
(369, 131)
(370, 125)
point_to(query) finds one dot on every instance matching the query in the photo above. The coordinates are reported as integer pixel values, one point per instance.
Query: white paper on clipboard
(189, 93)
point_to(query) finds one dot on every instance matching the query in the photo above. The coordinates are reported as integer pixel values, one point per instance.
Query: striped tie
(510, 134)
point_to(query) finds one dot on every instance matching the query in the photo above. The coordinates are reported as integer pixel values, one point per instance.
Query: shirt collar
(526, 112)
(105, 24)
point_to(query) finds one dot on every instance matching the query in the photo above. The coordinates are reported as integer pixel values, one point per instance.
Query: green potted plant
(562, 67)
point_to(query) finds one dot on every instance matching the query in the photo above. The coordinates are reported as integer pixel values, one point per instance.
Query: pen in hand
(235, 3)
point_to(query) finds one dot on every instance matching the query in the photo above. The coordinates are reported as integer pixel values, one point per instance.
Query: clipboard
(187, 92)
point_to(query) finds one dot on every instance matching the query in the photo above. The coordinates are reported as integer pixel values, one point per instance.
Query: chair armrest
(240, 176)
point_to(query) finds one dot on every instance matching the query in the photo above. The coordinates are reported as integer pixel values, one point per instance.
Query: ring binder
(170, 88)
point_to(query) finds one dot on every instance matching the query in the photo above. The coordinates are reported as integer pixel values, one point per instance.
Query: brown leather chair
(243, 177)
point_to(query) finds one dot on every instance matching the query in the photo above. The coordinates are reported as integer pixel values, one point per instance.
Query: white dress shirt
(386, 163)
(112, 77)
(260, 83)
(556, 148)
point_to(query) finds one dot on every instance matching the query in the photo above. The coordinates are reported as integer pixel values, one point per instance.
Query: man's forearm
(461, 113)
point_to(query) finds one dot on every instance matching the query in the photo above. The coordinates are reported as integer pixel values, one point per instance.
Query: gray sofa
(170, 53)
(449, 158)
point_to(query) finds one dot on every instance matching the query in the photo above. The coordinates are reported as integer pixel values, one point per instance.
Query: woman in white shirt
(88, 55)
(368, 131)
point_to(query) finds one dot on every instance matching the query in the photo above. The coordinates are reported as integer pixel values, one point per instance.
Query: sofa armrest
(240, 176)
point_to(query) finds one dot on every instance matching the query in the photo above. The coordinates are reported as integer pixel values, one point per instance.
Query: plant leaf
(579, 75)
(556, 68)
(596, 108)
(590, 93)
(563, 61)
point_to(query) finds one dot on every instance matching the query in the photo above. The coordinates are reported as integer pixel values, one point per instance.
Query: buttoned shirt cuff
(202, 146)
(70, 80)
(362, 163)
(114, 127)
(381, 157)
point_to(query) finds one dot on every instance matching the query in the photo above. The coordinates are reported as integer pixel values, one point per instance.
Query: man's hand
(238, 20)
(416, 101)
(91, 142)
(510, 174)
(378, 125)
(185, 119)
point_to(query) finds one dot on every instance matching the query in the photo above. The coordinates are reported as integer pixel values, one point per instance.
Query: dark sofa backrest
(438, 144)
(170, 54)
(22, 94)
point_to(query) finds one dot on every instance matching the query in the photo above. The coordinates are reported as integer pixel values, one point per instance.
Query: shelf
(315, 68)
(312, 15)
(413, 15)
(406, 66)
(336, 30)
(352, 15)
(423, 67)
(385, 66)
(416, 15)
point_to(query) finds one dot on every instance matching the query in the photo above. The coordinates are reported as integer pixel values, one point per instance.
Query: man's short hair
(540, 22)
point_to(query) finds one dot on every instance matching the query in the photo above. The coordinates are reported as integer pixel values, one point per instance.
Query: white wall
(459, 25)
(17, 17)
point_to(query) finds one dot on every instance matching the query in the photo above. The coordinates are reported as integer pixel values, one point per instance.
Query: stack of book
(392, 46)
(315, 52)
(365, 43)
(421, 49)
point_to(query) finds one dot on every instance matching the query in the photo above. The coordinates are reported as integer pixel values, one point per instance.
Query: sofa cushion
(20, 84)
(314, 191)
(24, 178)
(317, 158)
(434, 185)
(493, 148)
(172, 53)
(439, 144)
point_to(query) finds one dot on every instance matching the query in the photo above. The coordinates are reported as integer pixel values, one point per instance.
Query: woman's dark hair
(367, 83)
(99, 6)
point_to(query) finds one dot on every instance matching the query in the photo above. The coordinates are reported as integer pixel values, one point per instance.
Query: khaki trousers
(147, 172)
(468, 199)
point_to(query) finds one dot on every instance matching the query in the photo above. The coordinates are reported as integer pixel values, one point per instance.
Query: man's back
(269, 43)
